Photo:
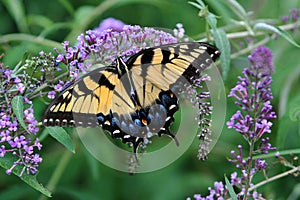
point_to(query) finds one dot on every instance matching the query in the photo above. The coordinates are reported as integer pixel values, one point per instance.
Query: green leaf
(288, 134)
(17, 11)
(39, 20)
(263, 27)
(222, 43)
(241, 13)
(67, 5)
(212, 21)
(17, 104)
(200, 5)
(294, 111)
(61, 136)
(8, 160)
(16, 191)
(230, 189)
(237, 9)
(82, 12)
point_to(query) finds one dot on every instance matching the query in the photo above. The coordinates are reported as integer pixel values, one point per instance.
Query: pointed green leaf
(294, 112)
(39, 20)
(288, 134)
(68, 6)
(17, 104)
(61, 136)
(17, 11)
(237, 9)
(222, 43)
(8, 160)
(230, 189)
(212, 21)
(273, 29)
(200, 5)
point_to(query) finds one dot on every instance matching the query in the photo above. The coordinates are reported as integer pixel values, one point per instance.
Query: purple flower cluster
(14, 138)
(259, 165)
(102, 46)
(293, 16)
(218, 192)
(112, 24)
(253, 96)
(201, 101)
(179, 32)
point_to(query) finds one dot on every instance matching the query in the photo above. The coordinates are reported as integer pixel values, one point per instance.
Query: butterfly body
(135, 99)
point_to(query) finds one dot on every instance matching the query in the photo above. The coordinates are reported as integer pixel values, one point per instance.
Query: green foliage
(230, 189)
(273, 29)
(36, 25)
(61, 136)
(7, 161)
(17, 104)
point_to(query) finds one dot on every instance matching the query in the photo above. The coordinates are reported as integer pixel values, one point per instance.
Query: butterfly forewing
(79, 104)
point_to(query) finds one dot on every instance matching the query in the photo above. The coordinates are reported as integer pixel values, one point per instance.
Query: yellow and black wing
(164, 67)
(134, 99)
(79, 103)
(145, 99)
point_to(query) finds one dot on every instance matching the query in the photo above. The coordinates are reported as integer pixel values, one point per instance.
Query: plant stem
(46, 85)
(244, 34)
(250, 48)
(295, 169)
(105, 5)
(58, 172)
(248, 168)
(29, 38)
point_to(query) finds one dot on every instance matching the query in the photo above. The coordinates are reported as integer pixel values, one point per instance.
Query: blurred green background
(86, 178)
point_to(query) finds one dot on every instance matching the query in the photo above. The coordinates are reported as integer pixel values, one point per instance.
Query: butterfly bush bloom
(112, 24)
(292, 17)
(253, 97)
(16, 137)
(200, 100)
(102, 47)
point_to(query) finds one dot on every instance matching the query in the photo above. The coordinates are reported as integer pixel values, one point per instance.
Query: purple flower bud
(21, 87)
(13, 126)
(261, 59)
(2, 151)
(51, 95)
(58, 87)
(60, 58)
(8, 172)
(112, 24)
(17, 80)
(38, 144)
(285, 18)
(295, 14)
